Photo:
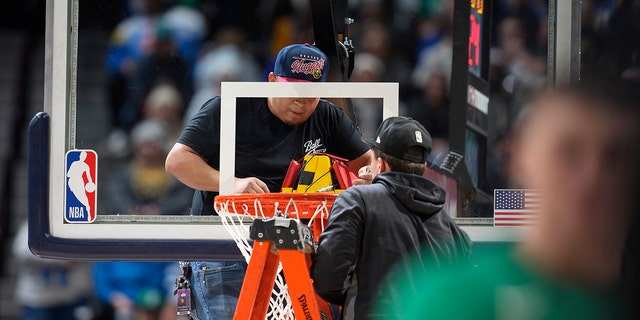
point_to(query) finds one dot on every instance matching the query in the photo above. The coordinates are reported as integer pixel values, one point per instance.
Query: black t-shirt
(265, 145)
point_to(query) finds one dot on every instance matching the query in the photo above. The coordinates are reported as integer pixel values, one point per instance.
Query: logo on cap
(301, 61)
(308, 65)
(418, 136)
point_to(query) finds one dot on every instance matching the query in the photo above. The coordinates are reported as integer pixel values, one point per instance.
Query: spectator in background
(163, 65)
(131, 290)
(578, 147)
(157, 43)
(376, 40)
(532, 15)
(434, 50)
(165, 104)
(610, 30)
(497, 162)
(368, 68)
(431, 107)
(524, 71)
(226, 61)
(131, 41)
(50, 289)
(141, 185)
(188, 28)
(228, 45)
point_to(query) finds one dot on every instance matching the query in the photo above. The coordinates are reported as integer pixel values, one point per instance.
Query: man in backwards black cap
(374, 227)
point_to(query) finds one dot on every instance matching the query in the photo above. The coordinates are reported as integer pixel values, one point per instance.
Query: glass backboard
(53, 140)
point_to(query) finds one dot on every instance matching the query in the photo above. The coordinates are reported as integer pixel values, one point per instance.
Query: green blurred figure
(578, 147)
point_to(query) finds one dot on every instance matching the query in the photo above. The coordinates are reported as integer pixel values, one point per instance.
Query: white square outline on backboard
(388, 92)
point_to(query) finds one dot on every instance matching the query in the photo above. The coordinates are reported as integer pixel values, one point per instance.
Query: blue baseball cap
(301, 62)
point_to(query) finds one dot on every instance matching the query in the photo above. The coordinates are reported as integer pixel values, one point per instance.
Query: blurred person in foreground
(578, 147)
(374, 227)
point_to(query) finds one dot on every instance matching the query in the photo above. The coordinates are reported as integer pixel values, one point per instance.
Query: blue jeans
(215, 289)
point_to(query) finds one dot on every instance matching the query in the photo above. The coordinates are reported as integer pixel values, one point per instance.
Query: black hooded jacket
(374, 229)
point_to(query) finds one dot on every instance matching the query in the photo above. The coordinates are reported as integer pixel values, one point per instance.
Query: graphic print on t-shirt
(314, 145)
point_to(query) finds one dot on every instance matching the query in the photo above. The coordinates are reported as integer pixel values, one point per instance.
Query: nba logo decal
(81, 192)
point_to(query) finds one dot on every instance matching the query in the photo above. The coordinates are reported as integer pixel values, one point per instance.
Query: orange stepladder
(289, 241)
(281, 237)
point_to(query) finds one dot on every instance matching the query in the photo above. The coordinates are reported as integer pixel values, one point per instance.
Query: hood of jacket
(417, 193)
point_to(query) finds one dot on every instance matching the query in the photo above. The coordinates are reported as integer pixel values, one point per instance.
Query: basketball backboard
(58, 230)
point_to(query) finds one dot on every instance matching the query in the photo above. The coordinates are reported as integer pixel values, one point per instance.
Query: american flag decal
(515, 207)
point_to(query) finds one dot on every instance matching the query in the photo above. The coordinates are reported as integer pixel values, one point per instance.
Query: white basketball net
(237, 222)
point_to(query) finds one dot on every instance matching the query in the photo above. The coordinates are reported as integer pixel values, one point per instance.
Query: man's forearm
(188, 167)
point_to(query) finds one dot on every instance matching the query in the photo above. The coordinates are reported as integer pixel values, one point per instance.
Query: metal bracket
(285, 233)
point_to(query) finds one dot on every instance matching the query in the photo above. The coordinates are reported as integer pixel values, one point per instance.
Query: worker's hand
(250, 185)
(365, 176)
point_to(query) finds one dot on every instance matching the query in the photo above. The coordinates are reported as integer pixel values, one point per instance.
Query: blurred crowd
(166, 58)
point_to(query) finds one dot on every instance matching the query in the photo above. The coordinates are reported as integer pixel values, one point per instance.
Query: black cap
(397, 134)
